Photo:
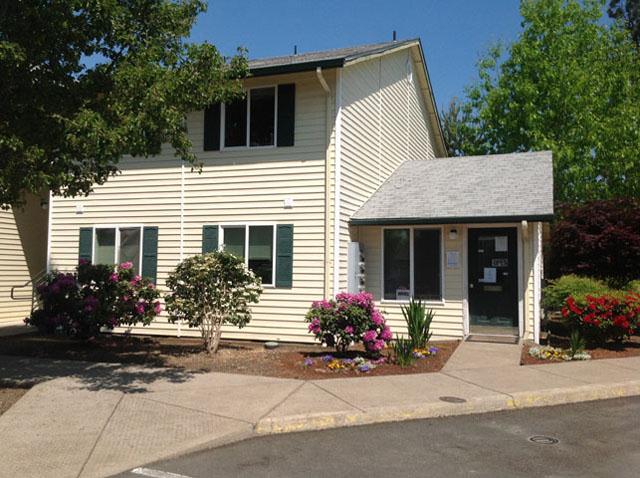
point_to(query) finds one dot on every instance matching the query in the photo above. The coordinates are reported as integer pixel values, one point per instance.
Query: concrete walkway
(91, 420)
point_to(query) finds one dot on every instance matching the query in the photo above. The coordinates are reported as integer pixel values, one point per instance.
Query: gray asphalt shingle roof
(325, 59)
(493, 188)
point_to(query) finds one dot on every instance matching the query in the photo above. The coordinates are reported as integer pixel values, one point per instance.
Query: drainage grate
(543, 440)
(453, 399)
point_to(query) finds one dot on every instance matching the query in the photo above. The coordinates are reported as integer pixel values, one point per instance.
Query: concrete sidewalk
(91, 420)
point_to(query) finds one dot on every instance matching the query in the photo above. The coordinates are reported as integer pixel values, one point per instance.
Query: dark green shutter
(286, 114)
(209, 238)
(150, 253)
(284, 255)
(85, 244)
(212, 127)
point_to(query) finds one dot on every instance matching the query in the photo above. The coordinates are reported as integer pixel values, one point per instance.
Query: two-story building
(325, 179)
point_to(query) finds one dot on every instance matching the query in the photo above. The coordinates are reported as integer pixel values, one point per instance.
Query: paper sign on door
(502, 244)
(490, 275)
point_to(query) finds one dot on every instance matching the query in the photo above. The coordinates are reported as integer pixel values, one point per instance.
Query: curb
(492, 403)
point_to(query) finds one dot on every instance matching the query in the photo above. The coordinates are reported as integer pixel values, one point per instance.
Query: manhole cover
(543, 440)
(453, 399)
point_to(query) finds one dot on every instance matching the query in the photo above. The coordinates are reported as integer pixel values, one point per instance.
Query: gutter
(449, 220)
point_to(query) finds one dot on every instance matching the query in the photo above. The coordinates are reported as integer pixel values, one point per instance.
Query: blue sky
(453, 32)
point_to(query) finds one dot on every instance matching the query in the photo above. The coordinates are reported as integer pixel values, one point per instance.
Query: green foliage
(209, 290)
(557, 291)
(570, 84)
(577, 343)
(84, 83)
(628, 13)
(418, 321)
(403, 351)
(633, 286)
(80, 304)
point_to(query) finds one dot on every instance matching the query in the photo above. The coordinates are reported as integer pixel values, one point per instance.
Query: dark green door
(493, 280)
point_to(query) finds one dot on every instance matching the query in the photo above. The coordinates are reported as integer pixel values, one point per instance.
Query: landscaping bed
(628, 348)
(251, 358)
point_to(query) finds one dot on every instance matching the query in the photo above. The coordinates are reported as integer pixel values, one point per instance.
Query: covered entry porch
(465, 236)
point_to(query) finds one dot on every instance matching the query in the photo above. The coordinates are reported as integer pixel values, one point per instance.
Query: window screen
(235, 123)
(261, 252)
(396, 262)
(234, 241)
(426, 264)
(130, 247)
(105, 246)
(262, 114)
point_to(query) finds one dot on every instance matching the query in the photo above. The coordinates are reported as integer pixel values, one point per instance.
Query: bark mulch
(629, 348)
(242, 357)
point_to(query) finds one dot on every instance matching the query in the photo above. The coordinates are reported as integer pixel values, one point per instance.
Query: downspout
(181, 227)
(327, 181)
(338, 174)
(49, 226)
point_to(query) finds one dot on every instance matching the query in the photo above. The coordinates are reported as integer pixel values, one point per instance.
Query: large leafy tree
(84, 82)
(570, 84)
(627, 11)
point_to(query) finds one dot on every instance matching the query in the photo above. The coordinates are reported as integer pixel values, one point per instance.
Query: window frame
(247, 145)
(247, 225)
(117, 228)
(411, 229)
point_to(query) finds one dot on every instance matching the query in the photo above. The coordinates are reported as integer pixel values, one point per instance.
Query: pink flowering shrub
(95, 296)
(347, 319)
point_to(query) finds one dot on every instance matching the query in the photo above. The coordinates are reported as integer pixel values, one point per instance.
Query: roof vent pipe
(395, 37)
(295, 49)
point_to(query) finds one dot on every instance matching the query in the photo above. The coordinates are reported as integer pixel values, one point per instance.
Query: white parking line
(156, 473)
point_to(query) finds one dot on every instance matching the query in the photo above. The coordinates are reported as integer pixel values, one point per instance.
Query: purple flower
(126, 265)
(157, 307)
(433, 350)
(83, 262)
(327, 358)
(308, 362)
(386, 334)
(314, 326)
(349, 329)
(139, 308)
(365, 367)
(369, 336)
(377, 318)
(114, 277)
(135, 280)
(90, 303)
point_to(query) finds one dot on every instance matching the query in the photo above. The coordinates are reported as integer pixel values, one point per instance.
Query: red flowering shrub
(95, 296)
(350, 318)
(604, 317)
(598, 239)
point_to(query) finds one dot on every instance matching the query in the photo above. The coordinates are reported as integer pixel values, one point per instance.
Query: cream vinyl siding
(384, 123)
(236, 186)
(528, 277)
(448, 321)
(23, 246)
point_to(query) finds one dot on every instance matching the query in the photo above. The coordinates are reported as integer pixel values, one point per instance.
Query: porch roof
(473, 189)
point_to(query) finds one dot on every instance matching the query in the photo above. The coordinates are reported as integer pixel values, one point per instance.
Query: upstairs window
(264, 117)
(251, 120)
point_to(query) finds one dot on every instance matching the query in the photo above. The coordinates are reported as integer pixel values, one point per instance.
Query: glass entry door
(493, 280)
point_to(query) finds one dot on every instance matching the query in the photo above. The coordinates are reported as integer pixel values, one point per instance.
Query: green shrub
(209, 290)
(577, 343)
(403, 350)
(633, 286)
(555, 294)
(418, 321)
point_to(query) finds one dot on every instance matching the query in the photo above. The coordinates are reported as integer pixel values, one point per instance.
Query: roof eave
(295, 67)
(450, 220)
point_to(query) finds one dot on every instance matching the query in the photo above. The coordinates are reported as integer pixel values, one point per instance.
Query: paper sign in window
(453, 259)
(489, 276)
(502, 244)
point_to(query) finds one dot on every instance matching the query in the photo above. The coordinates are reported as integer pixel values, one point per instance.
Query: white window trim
(117, 227)
(247, 144)
(441, 301)
(246, 225)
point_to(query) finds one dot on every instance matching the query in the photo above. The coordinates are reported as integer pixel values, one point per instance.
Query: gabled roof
(492, 188)
(324, 59)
